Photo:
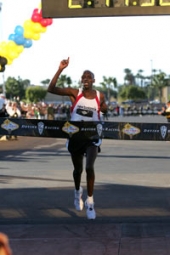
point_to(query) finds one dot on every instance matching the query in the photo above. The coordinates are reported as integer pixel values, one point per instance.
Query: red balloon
(40, 12)
(44, 22)
(35, 11)
(36, 17)
(50, 21)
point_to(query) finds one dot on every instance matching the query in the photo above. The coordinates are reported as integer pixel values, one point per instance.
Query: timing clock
(103, 8)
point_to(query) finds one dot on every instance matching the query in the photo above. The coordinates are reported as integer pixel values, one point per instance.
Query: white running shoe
(78, 202)
(90, 212)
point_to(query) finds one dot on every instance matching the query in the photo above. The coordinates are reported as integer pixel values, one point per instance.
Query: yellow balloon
(12, 54)
(13, 47)
(9, 61)
(43, 29)
(19, 48)
(36, 27)
(3, 51)
(3, 44)
(27, 24)
(6, 55)
(36, 36)
(11, 44)
(28, 34)
(30, 30)
(32, 25)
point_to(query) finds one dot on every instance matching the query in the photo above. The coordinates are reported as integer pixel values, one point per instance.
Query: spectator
(166, 111)
(50, 112)
(14, 111)
(4, 245)
(3, 111)
(2, 100)
(30, 112)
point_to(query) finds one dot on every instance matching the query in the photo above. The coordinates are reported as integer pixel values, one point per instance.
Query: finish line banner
(84, 130)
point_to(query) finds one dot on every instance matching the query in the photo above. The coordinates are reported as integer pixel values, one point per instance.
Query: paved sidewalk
(90, 238)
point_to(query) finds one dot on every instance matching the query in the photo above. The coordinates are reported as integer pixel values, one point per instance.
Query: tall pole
(152, 77)
(3, 75)
(151, 70)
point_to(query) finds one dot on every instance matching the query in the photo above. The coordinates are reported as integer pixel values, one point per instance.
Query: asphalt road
(132, 198)
(129, 175)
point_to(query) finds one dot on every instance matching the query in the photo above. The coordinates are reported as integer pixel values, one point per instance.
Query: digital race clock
(103, 8)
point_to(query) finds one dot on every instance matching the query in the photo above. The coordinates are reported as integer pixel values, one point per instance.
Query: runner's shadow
(113, 203)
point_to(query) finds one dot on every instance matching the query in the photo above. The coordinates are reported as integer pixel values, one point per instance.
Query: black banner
(84, 130)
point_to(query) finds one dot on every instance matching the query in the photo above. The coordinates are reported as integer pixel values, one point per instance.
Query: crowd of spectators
(61, 110)
(134, 109)
(19, 109)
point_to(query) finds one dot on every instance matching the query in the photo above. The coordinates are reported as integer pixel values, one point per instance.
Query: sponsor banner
(84, 130)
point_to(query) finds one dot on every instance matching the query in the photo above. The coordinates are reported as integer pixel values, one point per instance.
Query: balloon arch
(24, 36)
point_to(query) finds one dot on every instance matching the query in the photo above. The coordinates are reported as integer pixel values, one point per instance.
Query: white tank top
(86, 109)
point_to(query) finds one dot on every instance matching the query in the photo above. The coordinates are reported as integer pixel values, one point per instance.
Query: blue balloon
(19, 30)
(27, 43)
(19, 39)
(11, 37)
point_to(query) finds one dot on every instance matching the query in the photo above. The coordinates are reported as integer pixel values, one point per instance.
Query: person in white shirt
(13, 110)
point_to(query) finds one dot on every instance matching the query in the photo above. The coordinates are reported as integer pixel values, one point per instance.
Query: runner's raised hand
(64, 63)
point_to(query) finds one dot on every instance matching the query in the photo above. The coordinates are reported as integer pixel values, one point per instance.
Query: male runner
(87, 104)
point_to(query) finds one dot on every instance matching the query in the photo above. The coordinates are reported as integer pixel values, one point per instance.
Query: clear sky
(106, 46)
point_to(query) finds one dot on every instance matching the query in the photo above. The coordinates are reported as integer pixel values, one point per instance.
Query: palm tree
(45, 82)
(64, 80)
(129, 78)
(154, 71)
(153, 75)
(140, 77)
(68, 81)
(159, 81)
(108, 84)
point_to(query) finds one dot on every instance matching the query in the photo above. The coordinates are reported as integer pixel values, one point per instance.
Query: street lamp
(151, 70)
